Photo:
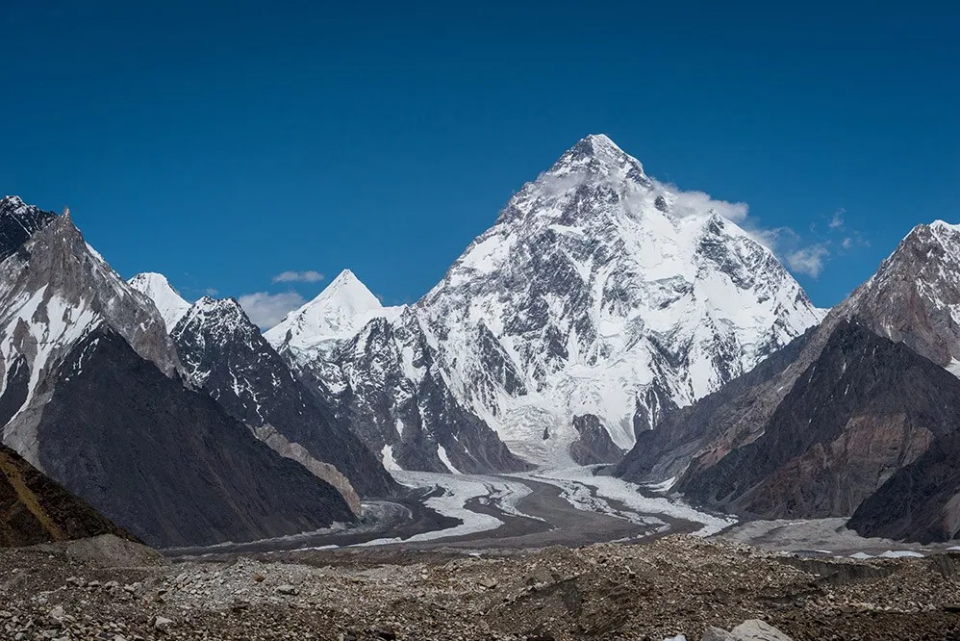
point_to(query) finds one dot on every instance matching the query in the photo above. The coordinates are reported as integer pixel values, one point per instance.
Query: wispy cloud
(809, 260)
(775, 238)
(266, 310)
(800, 256)
(210, 291)
(310, 276)
(836, 222)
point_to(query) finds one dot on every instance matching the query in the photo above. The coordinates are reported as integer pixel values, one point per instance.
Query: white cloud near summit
(266, 310)
(695, 202)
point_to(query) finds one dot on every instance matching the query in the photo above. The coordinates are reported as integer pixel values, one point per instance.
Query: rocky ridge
(224, 354)
(54, 291)
(169, 463)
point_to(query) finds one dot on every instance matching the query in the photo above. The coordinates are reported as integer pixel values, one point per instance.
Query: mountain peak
(219, 318)
(222, 310)
(342, 308)
(18, 222)
(219, 305)
(157, 288)
(346, 286)
(914, 296)
(598, 154)
(944, 230)
(151, 278)
(11, 203)
(598, 144)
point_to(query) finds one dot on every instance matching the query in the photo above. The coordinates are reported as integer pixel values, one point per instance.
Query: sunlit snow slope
(157, 288)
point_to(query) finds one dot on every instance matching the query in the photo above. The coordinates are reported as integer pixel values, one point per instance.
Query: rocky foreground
(107, 588)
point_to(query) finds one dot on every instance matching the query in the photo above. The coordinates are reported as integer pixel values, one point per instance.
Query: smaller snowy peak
(157, 288)
(947, 234)
(11, 204)
(944, 225)
(225, 313)
(18, 222)
(349, 293)
(338, 313)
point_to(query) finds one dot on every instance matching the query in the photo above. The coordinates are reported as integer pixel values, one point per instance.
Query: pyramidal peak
(599, 145)
(337, 313)
(598, 154)
(348, 291)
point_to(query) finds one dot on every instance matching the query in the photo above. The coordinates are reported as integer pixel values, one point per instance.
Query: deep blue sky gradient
(225, 142)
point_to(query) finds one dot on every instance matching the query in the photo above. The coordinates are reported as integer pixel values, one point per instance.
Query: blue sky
(226, 143)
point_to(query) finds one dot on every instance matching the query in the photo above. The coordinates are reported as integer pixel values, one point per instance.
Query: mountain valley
(613, 360)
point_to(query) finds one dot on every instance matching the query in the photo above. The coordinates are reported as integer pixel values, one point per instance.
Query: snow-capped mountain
(598, 292)
(335, 316)
(224, 354)
(599, 297)
(373, 365)
(157, 288)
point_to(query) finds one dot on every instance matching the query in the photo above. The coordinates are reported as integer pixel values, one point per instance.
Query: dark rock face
(920, 502)
(167, 463)
(225, 354)
(18, 222)
(35, 509)
(15, 391)
(594, 445)
(866, 408)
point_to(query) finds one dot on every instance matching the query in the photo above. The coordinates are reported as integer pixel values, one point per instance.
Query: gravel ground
(111, 590)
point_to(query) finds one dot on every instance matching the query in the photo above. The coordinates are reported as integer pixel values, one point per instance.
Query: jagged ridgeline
(93, 396)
